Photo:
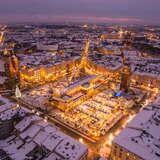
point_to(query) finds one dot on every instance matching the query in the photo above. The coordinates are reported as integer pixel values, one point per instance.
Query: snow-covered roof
(53, 140)
(157, 101)
(33, 131)
(26, 122)
(2, 79)
(142, 134)
(70, 149)
(47, 47)
(30, 132)
(2, 69)
(53, 156)
(6, 104)
(8, 109)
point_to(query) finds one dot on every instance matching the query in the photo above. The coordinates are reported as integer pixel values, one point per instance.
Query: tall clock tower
(125, 74)
(11, 71)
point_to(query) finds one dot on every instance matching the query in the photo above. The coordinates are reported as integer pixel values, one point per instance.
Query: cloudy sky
(121, 11)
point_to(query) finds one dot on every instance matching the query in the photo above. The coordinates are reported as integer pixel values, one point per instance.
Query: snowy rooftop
(2, 69)
(33, 132)
(142, 134)
(44, 59)
(140, 65)
(157, 101)
(109, 61)
(8, 109)
(5, 104)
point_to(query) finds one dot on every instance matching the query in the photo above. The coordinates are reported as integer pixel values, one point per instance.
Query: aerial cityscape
(80, 87)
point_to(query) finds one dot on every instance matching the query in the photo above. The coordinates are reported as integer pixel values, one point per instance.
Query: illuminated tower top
(85, 54)
(1, 38)
(125, 74)
(123, 57)
(126, 67)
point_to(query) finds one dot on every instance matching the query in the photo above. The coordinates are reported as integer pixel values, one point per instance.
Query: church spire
(85, 53)
(2, 37)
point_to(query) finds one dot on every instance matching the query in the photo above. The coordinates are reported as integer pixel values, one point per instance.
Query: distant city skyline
(105, 11)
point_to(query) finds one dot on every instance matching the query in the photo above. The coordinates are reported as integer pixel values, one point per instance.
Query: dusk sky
(116, 11)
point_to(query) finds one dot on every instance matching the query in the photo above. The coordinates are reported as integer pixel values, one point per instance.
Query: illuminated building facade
(42, 75)
(146, 81)
(120, 153)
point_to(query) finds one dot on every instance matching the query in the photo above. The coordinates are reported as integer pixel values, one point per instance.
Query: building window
(127, 157)
(114, 152)
(120, 154)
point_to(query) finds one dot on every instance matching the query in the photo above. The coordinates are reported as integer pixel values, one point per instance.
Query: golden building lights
(1, 37)
(121, 33)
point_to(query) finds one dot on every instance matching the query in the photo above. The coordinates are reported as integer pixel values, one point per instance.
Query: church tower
(125, 74)
(85, 52)
(1, 38)
(83, 62)
(11, 70)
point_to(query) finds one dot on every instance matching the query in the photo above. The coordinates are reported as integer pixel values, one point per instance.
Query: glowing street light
(81, 140)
